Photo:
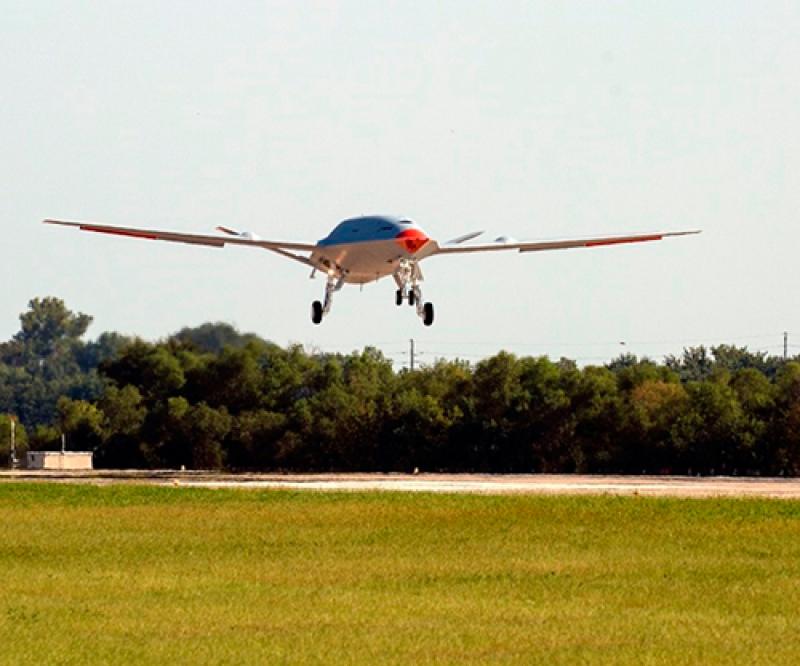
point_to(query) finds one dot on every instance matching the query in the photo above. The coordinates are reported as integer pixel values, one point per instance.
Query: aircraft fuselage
(365, 249)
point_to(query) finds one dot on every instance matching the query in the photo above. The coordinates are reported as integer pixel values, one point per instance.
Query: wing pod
(247, 235)
(464, 238)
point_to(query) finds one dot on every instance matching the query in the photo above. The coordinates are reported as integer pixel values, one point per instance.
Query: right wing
(563, 244)
(284, 248)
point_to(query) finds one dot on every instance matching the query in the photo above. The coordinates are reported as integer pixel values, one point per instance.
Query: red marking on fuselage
(620, 241)
(411, 240)
(131, 234)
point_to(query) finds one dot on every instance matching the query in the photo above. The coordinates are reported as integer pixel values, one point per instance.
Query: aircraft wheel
(316, 312)
(428, 318)
(398, 297)
(412, 297)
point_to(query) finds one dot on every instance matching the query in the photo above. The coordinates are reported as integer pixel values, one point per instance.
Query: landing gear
(319, 310)
(400, 295)
(427, 319)
(408, 276)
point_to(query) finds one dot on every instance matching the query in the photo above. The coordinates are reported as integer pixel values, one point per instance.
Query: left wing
(281, 247)
(537, 246)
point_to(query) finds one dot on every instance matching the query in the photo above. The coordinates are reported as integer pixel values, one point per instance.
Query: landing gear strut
(408, 276)
(319, 310)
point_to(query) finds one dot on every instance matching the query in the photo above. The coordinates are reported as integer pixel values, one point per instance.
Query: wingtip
(691, 232)
(62, 223)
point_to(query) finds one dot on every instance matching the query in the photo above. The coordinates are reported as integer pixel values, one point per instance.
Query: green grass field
(139, 574)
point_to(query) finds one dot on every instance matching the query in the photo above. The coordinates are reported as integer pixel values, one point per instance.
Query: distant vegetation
(211, 397)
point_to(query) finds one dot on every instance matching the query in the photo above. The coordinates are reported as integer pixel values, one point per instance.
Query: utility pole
(13, 442)
(786, 345)
(412, 354)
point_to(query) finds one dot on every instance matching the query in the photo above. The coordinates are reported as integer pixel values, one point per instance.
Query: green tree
(695, 364)
(547, 428)
(734, 358)
(756, 396)
(47, 329)
(253, 440)
(785, 444)
(194, 435)
(44, 438)
(213, 338)
(708, 433)
(498, 400)
(425, 425)
(124, 415)
(81, 422)
(415, 433)
(653, 409)
(595, 406)
(105, 348)
(232, 379)
(153, 369)
(41, 362)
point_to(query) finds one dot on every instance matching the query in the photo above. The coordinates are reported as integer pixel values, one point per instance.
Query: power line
(466, 350)
(614, 343)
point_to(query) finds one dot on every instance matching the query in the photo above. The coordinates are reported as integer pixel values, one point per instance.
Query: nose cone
(411, 240)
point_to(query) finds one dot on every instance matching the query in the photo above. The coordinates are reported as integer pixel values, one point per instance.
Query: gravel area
(667, 486)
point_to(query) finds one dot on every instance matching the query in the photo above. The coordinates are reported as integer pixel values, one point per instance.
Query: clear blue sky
(533, 119)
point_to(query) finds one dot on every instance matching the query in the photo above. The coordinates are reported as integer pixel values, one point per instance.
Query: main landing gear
(319, 310)
(408, 276)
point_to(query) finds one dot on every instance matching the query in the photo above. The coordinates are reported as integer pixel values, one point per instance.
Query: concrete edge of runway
(492, 484)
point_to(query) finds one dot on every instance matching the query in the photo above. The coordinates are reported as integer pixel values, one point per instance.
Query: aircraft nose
(411, 240)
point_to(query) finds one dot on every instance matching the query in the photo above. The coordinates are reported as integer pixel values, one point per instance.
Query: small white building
(59, 460)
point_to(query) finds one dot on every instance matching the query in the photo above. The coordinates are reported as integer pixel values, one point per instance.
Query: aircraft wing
(193, 239)
(563, 244)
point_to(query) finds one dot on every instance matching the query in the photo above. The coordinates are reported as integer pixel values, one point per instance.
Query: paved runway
(672, 486)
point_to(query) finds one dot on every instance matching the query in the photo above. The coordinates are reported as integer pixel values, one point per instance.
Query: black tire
(398, 297)
(316, 312)
(428, 318)
(412, 298)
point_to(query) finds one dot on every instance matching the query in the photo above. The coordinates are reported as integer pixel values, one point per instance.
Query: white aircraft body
(365, 249)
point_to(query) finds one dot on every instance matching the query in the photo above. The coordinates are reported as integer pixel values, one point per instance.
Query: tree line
(211, 397)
